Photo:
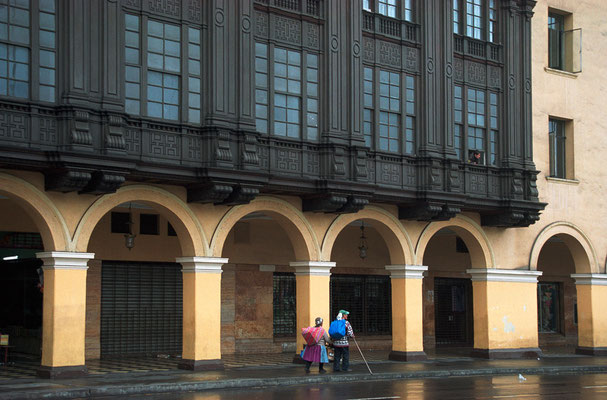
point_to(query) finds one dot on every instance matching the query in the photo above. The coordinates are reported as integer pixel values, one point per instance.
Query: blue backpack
(337, 330)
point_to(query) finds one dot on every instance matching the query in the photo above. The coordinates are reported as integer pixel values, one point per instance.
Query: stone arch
(189, 231)
(45, 215)
(481, 252)
(297, 227)
(582, 251)
(391, 230)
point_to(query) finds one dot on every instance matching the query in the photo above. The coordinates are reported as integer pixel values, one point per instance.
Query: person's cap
(344, 312)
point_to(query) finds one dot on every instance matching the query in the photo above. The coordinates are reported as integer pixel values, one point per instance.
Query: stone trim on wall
(503, 275)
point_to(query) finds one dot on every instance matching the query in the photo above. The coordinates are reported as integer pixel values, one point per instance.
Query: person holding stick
(342, 346)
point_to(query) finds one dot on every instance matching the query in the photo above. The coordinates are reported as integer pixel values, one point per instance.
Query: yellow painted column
(505, 313)
(407, 312)
(201, 313)
(592, 319)
(63, 314)
(312, 279)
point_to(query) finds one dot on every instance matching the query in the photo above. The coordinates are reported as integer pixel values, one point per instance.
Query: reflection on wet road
(587, 387)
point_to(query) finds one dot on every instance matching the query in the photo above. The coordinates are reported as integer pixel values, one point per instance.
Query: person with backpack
(340, 330)
(315, 350)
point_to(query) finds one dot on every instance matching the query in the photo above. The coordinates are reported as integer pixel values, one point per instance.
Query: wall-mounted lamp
(129, 238)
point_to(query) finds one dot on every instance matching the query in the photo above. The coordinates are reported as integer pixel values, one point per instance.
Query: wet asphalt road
(587, 387)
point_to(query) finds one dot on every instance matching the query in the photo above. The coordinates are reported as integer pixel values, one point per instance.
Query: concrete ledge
(500, 354)
(201, 365)
(76, 371)
(591, 351)
(407, 356)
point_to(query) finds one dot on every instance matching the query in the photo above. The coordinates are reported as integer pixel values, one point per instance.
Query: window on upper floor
(390, 8)
(28, 61)
(476, 125)
(388, 121)
(286, 105)
(560, 136)
(154, 77)
(564, 43)
(476, 19)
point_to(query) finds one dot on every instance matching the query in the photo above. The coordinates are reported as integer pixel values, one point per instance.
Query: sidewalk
(123, 384)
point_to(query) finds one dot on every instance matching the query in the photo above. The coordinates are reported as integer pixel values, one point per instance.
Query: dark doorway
(141, 308)
(21, 304)
(453, 312)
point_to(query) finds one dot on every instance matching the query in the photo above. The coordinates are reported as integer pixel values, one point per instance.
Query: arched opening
(258, 296)
(556, 295)
(360, 282)
(134, 302)
(448, 312)
(21, 283)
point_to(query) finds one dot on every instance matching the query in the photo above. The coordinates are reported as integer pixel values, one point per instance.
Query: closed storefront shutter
(141, 308)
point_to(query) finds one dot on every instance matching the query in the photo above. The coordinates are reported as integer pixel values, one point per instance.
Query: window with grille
(287, 105)
(284, 306)
(28, 64)
(21, 240)
(368, 298)
(153, 72)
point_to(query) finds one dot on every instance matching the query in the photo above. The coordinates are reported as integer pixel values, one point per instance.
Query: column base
(75, 371)
(591, 351)
(201, 365)
(407, 356)
(496, 354)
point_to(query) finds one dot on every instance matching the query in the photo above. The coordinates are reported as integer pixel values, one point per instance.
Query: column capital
(64, 260)
(504, 275)
(406, 271)
(313, 268)
(208, 265)
(590, 279)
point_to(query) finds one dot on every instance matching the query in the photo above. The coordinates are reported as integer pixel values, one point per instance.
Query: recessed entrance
(453, 311)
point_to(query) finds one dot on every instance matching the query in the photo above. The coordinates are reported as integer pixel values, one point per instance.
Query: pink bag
(312, 334)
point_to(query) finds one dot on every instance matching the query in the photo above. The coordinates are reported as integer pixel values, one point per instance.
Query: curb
(173, 387)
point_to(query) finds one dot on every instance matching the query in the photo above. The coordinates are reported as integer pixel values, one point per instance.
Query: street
(587, 387)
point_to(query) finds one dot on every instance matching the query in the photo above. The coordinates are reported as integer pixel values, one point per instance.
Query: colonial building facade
(199, 178)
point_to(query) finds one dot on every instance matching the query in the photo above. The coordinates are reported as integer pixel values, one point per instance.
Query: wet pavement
(282, 374)
(587, 387)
